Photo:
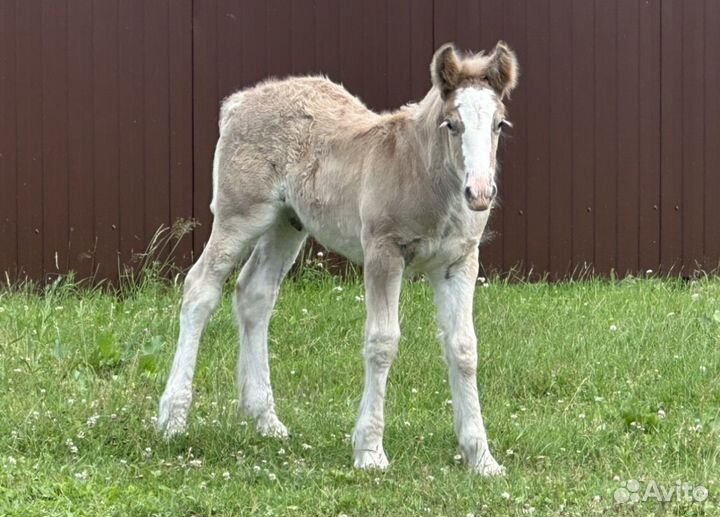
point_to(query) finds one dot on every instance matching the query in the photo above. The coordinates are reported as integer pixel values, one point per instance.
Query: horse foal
(404, 191)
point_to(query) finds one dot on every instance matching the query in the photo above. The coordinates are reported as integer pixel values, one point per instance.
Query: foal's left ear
(502, 72)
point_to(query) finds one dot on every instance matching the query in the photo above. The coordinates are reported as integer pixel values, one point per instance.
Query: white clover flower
(81, 476)
(613, 328)
(92, 421)
(272, 477)
(226, 475)
(505, 495)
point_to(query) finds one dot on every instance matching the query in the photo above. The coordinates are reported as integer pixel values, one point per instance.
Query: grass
(584, 387)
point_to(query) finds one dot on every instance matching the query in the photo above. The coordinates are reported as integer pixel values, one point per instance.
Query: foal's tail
(227, 109)
(216, 166)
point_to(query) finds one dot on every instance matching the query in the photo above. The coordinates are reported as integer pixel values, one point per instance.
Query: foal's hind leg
(255, 295)
(231, 238)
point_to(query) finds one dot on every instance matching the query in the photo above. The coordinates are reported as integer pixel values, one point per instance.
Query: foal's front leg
(454, 287)
(383, 269)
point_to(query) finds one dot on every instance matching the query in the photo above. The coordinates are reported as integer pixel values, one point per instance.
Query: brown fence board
(491, 30)
(692, 136)
(605, 208)
(711, 102)
(29, 138)
(81, 206)
(513, 175)
(649, 98)
(421, 46)
(583, 94)
(8, 139)
(538, 141)
(627, 136)
(106, 154)
(131, 143)
(54, 138)
(157, 129)
(561, 130)
(671, 136)
(205, 112)
(181, 137)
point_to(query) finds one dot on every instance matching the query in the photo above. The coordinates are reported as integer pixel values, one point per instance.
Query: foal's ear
(502, 72)
(445, 69)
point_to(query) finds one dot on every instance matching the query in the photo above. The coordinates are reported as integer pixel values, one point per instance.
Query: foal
(408, 190)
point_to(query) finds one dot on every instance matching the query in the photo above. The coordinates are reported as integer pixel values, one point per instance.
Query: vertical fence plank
(8, 140)
(351, 48)
(693, 134)
(29, 138)
(648, 98)
(561, 131)
(422, 47)
(605, 136)
(157, 130)
(106, 157)
(537, 81)
(278, 54)
(131, 141)
(302, 37)
(627, 136)
(81, 137)
(671, 136)
(398, 53)
(711, 102)
(514, 180)
(374, 57)
(327, 34)
(491, 23)
(583, 94)
(205, 113)
(181, 138)
(254, 41)
(54, 138)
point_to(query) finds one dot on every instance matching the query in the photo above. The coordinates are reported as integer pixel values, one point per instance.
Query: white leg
(255, 295)
(454, 288)
(383, 270)
(202, 290)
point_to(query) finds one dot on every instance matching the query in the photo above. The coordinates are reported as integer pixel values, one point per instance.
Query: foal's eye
(502, 124)
(451, 125)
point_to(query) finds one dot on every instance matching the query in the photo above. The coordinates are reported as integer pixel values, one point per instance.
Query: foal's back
(282, 118)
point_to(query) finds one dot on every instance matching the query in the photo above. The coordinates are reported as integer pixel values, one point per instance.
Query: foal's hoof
(272, 427)
(371, 460)
(171, 420)
(489, 468)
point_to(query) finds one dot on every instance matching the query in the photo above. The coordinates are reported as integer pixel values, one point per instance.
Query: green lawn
(584, 387)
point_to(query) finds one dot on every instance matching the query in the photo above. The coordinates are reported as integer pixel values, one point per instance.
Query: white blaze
(477, 110)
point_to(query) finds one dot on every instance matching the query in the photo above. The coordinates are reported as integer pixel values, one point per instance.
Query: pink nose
(479, 193)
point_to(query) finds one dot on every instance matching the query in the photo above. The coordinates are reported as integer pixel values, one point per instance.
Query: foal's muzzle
(479, 194)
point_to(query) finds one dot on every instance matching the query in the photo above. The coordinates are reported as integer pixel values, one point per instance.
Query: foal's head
(472, 117)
